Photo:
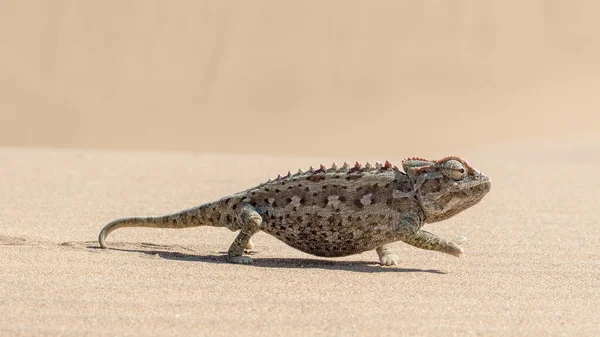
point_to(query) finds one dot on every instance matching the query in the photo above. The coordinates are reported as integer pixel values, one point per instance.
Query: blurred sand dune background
(297, 77)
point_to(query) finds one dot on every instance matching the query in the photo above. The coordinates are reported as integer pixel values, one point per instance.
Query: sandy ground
(530, 267)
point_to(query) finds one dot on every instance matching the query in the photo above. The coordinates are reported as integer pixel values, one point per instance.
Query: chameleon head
(447, 186)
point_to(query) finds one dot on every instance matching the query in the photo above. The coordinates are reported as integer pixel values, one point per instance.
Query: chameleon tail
(193, 217)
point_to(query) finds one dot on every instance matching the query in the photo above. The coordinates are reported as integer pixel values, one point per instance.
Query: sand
(530, 266)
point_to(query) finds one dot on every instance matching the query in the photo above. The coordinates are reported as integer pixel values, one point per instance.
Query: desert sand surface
(530, 266)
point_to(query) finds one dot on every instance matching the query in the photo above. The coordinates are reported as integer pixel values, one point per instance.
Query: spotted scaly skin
(340, 211)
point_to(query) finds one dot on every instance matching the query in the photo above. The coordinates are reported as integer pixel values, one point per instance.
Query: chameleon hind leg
(251, 223)
(387, 257)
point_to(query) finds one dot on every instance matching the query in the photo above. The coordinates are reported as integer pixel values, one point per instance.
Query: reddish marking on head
(422, 169)
(387, 165)
(415, 158)
(465, 162)
(416, 170)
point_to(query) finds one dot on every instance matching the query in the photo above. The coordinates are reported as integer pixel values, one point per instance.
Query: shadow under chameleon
(354, 266)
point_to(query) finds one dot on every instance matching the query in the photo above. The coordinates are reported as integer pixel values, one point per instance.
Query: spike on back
(411, 165)
(356, 168)
(320, 170)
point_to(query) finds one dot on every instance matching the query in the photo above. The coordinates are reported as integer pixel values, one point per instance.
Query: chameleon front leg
(412, 234)
(425, 240)
(409, 223)
(251, 222)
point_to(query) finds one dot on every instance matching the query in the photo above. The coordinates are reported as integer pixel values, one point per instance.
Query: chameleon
(340, 210)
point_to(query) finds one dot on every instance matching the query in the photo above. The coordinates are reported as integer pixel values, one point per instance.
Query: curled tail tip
(102, 239)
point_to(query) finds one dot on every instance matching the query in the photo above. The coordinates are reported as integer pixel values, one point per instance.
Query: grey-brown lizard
(340, 211)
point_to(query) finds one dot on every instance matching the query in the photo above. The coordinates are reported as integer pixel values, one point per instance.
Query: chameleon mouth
(487, 186)
(479, 190)
(480, 184)
(476, 189)
(483, 185)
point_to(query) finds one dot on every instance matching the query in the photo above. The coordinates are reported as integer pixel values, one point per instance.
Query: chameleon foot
(454, 249)
(389, 260)
(386, 256)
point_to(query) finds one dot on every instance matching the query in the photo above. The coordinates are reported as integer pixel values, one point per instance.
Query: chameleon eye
(454, 170)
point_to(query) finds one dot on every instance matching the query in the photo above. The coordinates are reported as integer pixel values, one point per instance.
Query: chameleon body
(340, 211)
